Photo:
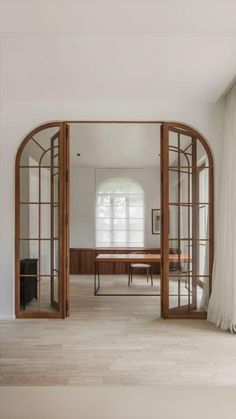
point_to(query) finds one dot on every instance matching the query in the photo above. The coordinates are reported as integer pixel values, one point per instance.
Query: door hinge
(66, 262)
(66, 219)
(67, 175)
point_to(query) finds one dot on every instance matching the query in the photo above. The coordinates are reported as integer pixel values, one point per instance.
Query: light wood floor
(114, 341)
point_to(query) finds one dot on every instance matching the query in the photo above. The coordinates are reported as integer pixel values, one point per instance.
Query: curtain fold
(222, 304)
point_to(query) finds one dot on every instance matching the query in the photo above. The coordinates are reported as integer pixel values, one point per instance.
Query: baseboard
(4, 317)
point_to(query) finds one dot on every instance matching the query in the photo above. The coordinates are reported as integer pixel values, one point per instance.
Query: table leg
(98, 277)
(95, 278)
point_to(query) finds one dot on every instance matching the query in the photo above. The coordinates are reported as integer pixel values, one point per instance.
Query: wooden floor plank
(115, 341)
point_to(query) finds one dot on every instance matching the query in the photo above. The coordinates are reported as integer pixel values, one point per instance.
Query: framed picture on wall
(156, 221)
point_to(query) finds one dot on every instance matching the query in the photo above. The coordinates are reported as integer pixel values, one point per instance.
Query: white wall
(84, 182)
(19, 116)
(82, 207)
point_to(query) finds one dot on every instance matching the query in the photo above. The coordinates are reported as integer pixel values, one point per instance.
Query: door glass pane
(29, 221)
(55, 197)
(55, 286)
(55, 210)
(46, 290)
(29, 185)
(29, 249)
(45, 214)
(45, 178)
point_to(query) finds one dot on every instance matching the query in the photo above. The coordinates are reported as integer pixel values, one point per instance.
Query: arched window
(120, 214)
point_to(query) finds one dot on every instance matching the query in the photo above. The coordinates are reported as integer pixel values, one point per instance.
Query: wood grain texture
(82, 261)
(87, 261)
(137, 258)
(114, 341)
(75, 261)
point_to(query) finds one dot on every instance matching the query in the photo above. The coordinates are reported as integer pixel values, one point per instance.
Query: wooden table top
(138, 257)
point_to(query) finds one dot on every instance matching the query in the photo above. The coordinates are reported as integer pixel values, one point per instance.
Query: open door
(66, 232)
(59, 196)
(187, 222)
(42, 223)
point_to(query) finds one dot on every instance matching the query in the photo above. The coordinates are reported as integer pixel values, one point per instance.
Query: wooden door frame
(167, 127)
(64, 190)
(63, 268)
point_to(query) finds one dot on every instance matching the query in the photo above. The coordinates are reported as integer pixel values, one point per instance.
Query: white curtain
(120, 214)
(222, 304)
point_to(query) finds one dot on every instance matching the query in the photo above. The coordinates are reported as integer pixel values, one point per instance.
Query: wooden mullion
(195, 222)
(38, 144)
(64, 155)
(211, 225)
(164, 221)
(38, 239)
(37, 167)
(52, 220)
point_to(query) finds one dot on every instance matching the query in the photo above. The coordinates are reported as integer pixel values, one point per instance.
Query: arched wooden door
(42, 230)
(187, 221)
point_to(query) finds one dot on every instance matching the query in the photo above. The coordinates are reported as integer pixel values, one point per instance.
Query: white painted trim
(4, 317)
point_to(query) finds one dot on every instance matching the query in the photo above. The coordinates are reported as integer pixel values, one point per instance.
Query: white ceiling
(115, 145)
(84, 16)
(162, 67)
(96, 51)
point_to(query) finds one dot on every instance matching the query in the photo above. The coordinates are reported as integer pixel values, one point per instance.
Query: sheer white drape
(222, 304)
(120, 214)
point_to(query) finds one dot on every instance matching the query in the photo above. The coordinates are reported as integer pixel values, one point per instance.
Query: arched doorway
(42, 221)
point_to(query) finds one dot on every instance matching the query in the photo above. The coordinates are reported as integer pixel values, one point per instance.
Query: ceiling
(163, 67)
(165, 51)
(115, 145)
(113, 16)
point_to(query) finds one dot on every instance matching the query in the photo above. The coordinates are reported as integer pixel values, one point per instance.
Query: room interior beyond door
(187, 222)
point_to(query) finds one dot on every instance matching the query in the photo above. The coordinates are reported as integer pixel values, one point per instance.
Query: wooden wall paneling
(75, 261)
(87, 257)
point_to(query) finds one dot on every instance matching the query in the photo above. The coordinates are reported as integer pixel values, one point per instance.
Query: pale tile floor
(115, 341)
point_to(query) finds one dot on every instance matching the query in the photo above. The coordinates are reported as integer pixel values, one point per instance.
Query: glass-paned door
(42, 223)
(187, 222)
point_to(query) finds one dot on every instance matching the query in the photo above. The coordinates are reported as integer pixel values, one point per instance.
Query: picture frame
(156, 221)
